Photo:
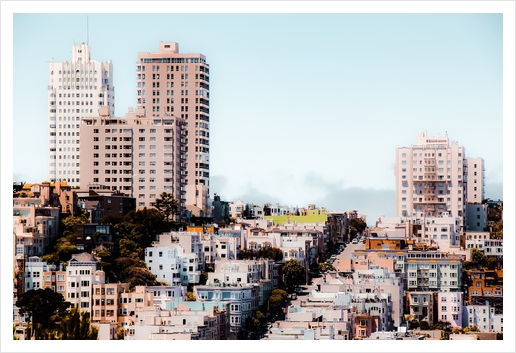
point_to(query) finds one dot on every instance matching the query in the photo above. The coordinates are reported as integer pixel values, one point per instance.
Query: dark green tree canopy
(277, 297)
(266, 252)
(44, 308)
(294, 273)
(133, 271)
(41, 304)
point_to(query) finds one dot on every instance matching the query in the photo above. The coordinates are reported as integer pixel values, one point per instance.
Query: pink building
(135, 155)
(176, 85)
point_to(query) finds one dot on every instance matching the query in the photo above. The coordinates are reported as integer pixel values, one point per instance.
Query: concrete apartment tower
(76, 90)
(135, 155)
(173, 84)
(431, 178)
(476, 180)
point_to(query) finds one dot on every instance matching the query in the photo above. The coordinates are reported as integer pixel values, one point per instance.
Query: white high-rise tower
(431, 178)
(76, 90)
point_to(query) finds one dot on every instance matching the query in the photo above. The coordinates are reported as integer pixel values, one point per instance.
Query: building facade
(173, 84)
(76, 90)
(137, 155)
(476, 179)
(431, 178)
(82, 272)
(484, 317)
(449, 307)
(476, 217)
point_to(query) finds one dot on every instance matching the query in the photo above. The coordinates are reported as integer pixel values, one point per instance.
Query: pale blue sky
(305, 108)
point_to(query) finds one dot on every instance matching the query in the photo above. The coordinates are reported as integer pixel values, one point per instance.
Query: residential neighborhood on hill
(127, 241)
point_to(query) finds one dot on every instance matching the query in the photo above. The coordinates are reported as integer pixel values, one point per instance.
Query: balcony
(428, 177)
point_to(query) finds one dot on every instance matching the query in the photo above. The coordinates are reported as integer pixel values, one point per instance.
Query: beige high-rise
(76, 90)
(431, 178)
(476, 179)
(173, 84)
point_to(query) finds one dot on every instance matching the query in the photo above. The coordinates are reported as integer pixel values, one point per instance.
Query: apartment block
(82, 272)
(433, 271)
(106, 305)
(117, 303)
(476, 179)
(243, 301)
(99, 205)
(421, 306)
(449, 307)
(190, 322)
(33, 270)
(484, 317)
(176, 85)
(484, 285)
(136, 155)
(173, 264)
(76, 90)
(189, 241)
(475, 240)
(431, 178)
(376, 292)
(244, 272)
(37, 214)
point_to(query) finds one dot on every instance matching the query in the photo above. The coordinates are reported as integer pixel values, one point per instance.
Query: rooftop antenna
(87, 31)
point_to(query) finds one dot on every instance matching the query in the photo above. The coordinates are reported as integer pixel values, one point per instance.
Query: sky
(308, 102)
(304, 108)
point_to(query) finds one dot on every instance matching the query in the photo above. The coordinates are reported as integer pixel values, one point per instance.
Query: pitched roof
(83, 257)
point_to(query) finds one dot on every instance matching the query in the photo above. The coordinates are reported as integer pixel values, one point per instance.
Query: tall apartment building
(173, 84)
(476, 180)
(136, 155)
(76, 90)
(431, 178)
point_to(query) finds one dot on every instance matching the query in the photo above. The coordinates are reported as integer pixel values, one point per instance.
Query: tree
(326, 267)
(167, 206)
(413, 324)
(120, 333)
(76, 325)
(70, 222)
(356, 225)
(294, 273)
(424, 325)
(478, 257)
(133, 271)
(277, 299)
(497, 230)
(471, 328)
(190, 297)
(44, 307)
(254, 323)
(147, 222)
(140, 276)
(495, 215)
(110, 219)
